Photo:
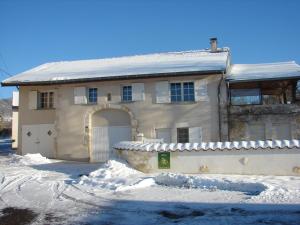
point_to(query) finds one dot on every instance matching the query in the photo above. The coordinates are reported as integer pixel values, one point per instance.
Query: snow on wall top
(160, 63)
(264, 71)
(205, 146)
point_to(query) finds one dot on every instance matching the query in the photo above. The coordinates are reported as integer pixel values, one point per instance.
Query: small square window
(182, 135)
(46, 100)
(93, 95)
(127, 93)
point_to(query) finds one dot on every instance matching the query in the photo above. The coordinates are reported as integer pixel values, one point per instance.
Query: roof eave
(263, 79)
(128, 77)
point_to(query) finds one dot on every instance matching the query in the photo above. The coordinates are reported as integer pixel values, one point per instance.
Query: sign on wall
(164, 160)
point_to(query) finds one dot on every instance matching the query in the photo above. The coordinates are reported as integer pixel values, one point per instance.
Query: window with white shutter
(126, 93)
(162, 92)
(80, 95)
(46, 100)
(138, 92)
(182, 92)
(201, 90)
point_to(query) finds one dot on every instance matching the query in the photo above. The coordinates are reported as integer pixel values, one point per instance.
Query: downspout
(219, 106)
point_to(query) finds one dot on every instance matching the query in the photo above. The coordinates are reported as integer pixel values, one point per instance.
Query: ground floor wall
(260, 162)
(73, 123)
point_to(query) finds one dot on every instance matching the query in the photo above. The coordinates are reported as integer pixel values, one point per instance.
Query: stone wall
(266, 122)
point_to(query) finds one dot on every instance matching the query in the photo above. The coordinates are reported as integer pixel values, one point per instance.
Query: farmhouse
(77, 110)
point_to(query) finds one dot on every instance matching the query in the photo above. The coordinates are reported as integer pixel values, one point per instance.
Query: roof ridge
(206, 50)
(271, 63)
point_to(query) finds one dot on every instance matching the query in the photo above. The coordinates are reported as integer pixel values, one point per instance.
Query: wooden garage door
(38, 139)
(104, 138)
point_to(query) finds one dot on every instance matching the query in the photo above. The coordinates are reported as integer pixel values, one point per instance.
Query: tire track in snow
(80, 201)
(8, 184)
(88, 193)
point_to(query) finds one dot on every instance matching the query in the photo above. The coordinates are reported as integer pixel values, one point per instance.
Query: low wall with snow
(261, 158)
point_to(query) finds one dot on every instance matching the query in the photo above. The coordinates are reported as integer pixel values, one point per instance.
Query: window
(127, 94)
(182, 92)
(109, 97)
(188, 92)
(46, 100)
(93, 95)
(175, 92)
(182, 135)
(245, 96)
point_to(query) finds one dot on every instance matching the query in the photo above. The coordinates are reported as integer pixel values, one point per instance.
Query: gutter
(127, 77)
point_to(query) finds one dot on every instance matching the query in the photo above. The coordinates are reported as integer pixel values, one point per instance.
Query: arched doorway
(109, 126)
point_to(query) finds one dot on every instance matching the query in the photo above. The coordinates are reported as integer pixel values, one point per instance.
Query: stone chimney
(213, 44)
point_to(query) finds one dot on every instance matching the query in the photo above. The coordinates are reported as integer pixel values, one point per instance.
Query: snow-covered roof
(206, 146)
(264, 71)
(159, 64)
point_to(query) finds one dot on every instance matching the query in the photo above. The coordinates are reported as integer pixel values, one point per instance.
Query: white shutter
(138, 92)
(195, 134)
(80, 95)
(55, 99)
(15, 100)
(162, 92)
(32, 99)
(201, 90)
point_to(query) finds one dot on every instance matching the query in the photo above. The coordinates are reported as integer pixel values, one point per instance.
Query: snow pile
(28, 159)
(284, 189)
(185, 181)
(113, 175)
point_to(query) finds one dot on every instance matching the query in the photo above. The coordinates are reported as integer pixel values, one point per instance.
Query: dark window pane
(188, 91)
(51, 99)
(43, 100)
(176, 92)
(127, 93)
(182, 135)
(93, 95)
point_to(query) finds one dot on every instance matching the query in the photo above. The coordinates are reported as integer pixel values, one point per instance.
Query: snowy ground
(37, 190)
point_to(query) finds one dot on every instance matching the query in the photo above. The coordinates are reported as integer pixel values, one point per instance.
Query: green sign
(164, 160)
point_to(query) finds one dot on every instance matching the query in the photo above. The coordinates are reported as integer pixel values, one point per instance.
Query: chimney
(213, 44)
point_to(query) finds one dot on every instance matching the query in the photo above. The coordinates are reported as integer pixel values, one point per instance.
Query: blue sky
(38, 31)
